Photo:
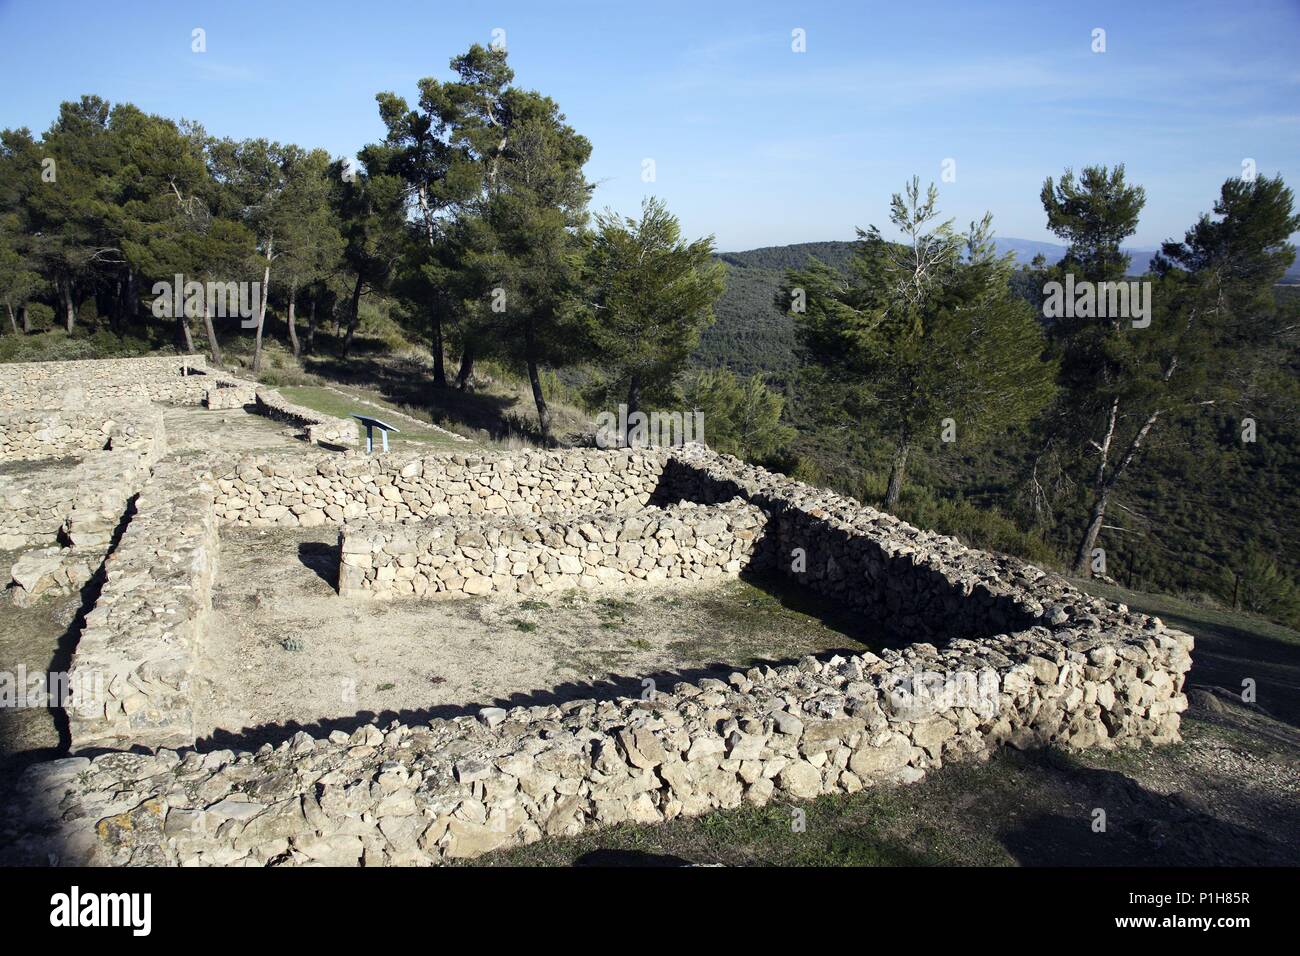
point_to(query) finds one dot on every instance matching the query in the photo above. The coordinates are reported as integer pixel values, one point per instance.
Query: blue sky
(751, 141)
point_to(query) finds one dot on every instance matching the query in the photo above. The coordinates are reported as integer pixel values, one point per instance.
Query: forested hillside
(1200, 507)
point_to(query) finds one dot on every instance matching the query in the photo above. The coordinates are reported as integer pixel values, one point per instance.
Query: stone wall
(142, 640)
(288, 492)
(33, 435)
(230, 393)
(915, 583)
(52, 571)
(104, 382)
(84, 502)
(448, 557)
(451, 789)
(317, 428)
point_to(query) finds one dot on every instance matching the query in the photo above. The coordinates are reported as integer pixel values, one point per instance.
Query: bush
(1257, 584)
(976, 527)
(57, 346)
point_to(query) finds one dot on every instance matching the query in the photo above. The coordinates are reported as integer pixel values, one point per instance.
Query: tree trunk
(65, 299)
(439, 361)
(183, 333)
(27, 320)
(261, 315)
(1104, 485)
(1095, 519)
(466, 368)
(353, 313)
(633, 405)
(12, 320)
(535, 379)
(119, 305)
(311, 324)
(214, 349)
(896, 472)
(132, 295)
(293, 332)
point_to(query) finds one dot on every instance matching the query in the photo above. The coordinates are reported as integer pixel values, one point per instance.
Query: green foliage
(742, 417)
(918, 338)
(650, 294)
(1258, 585)
(1094, 214)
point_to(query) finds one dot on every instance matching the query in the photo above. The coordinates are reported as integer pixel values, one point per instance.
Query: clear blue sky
(752, 142)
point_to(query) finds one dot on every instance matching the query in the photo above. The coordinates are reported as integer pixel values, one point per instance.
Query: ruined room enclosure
(285, 652)
(78, 441)
(450, 585)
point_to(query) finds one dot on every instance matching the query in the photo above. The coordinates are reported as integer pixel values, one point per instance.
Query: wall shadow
(1143, 827)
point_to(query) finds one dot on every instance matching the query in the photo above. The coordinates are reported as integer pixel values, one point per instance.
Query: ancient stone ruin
(991, 652)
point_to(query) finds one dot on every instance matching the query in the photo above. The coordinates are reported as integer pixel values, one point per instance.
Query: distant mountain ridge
(837, 253)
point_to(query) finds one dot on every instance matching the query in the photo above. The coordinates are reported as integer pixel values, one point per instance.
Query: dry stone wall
(915, 583)
(33, 435)
(447, 557)
(452, 789)
(230, 393)
(104, 382)
(52, 571)
(142, 640)
(289, 492)
(317, 428)
(83, 503)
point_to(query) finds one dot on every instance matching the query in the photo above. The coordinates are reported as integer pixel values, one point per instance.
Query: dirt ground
(192, 429)
(39, 640)
(285, 651)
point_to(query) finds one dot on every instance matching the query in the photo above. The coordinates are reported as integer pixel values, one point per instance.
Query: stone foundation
(451, 789)
(52, 571)
(83, 503)
(31, 436)
(103, 382)
(317, 428)
(390, 488)
(230, 394)
(142, 640)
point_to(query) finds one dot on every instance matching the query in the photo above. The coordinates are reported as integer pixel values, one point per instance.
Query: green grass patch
(329, 402)
(1196, 618)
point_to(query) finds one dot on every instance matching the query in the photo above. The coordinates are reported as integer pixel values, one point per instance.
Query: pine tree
(924, 335)
(651, 294)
